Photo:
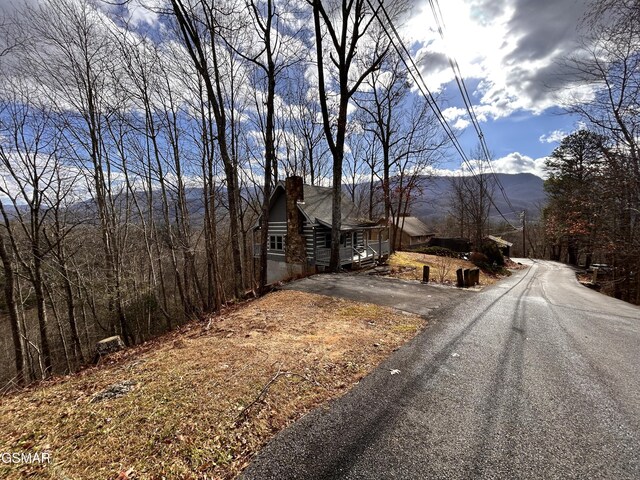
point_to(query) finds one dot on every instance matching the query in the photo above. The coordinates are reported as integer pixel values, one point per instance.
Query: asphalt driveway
(533, 377)
(405, 295)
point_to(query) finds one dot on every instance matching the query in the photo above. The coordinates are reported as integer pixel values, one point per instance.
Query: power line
(430, 99)
(437, 14)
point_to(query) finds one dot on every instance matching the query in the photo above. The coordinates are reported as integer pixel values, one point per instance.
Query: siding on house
(322, 232)
(308, 232)
(315, 217)
(278, 226)
(417, 240)
(279, 229)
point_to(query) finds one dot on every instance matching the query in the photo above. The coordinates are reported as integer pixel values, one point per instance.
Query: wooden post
(467, 281)
(595, 276)
(474, 275)
(460, 278)
(425, 274)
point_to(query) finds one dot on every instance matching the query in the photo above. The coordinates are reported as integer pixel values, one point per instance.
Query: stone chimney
(295, 244)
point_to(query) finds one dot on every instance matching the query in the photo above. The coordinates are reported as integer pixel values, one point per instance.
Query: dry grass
(408, 265)
(192, 414)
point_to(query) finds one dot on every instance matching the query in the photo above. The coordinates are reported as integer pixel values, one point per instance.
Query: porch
(358, 256)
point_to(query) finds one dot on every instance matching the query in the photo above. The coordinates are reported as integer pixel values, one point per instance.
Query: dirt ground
(198, 403)
(408, 265)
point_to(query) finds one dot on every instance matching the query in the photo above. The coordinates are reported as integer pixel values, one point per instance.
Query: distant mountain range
(524, 190)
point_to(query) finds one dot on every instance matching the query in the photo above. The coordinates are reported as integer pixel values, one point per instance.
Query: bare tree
(28, 165)
(346, 23)
(73, 56)
(381, 104)
(8, 270)
(199, 28)
(471, 199)
(267, 58)
(306, 127)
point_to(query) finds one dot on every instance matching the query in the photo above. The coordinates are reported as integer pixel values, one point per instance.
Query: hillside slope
(203, 400)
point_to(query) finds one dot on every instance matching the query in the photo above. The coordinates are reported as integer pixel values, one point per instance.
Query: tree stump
(475, 276)
(109, 345)
(467, 276)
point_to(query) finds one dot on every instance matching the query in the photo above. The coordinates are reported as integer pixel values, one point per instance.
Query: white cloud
(453, 113)
(553, 137)
(456, 117)
(511, 48)
(461, 124)
(143, 12)
(518, 163)
(512, 163)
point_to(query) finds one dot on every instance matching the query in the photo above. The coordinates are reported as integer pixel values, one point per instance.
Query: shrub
(443, 267)
(478, 258)
(493, 253)
(438, 251)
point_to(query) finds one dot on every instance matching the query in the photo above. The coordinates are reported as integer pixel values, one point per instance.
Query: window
(276, 242)
(327, 240)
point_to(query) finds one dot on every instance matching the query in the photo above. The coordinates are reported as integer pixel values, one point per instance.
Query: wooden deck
(358, 256)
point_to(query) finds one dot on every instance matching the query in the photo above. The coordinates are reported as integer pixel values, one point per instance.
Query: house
(503, 245)
(412, 232)
(300, 232)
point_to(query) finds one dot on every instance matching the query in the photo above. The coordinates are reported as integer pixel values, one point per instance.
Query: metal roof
(317, 207)
(500, 241)
(412, 226)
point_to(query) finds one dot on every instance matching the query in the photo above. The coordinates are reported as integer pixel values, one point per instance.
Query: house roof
(413, 227)
(317, 207)
(500, 241)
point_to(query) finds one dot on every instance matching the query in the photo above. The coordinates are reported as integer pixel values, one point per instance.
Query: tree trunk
(42, 321)
(12, 310)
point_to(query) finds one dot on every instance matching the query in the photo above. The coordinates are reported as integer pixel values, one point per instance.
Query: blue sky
(510, 54)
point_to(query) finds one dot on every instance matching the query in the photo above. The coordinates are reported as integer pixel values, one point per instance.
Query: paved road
(535, 377)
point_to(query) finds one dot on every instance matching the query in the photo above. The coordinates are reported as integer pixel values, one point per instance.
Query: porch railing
(348, 255)
(354, 255)
(323, 255)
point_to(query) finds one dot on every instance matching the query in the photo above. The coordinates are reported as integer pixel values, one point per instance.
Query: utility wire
(424, 90)
(437, 14)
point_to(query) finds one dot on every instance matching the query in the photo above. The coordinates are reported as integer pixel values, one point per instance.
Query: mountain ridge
(525, 191)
